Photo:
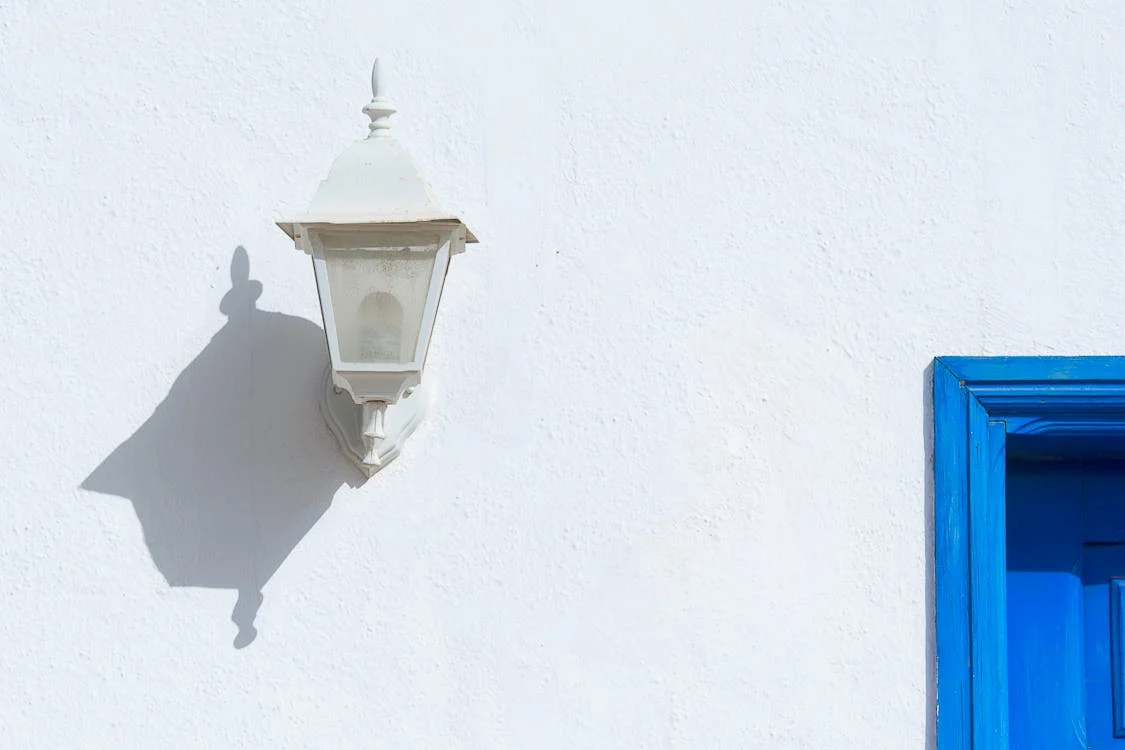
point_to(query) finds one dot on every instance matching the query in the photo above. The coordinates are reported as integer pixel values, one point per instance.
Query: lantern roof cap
(374, 181)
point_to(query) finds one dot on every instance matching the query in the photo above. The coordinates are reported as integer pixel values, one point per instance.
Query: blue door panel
(1103, 485)
(1066, 603)
(1046, 688)
(1103, 574)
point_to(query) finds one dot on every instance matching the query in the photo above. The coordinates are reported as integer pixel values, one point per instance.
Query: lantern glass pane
(379, 283)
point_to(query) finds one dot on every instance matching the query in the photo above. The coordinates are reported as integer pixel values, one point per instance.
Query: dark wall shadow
(235, 465)
(931, 575)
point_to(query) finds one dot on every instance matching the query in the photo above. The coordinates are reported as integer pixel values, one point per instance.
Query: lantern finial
(380, 108)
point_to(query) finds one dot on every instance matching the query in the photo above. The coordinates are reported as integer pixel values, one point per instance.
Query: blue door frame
(978, 403)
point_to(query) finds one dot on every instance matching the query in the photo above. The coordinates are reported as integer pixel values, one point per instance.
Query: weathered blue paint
(987, 590)
(1035, 370)
(974, 401)
(951, 552)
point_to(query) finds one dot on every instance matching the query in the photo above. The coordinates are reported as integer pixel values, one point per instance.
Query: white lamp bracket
(371, 436)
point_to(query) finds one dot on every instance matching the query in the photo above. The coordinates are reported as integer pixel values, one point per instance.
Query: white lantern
(380, 245)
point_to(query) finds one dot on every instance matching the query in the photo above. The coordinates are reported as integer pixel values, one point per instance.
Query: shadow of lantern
(235, 465)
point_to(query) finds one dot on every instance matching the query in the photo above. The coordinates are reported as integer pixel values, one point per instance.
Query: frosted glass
(379, 283)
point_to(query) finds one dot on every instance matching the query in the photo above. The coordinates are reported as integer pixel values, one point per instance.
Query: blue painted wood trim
(972, 370)
(1117, 651)
(988, 609)
(951, 552)
(1047, 399)
(1094, 425)
(973, 396)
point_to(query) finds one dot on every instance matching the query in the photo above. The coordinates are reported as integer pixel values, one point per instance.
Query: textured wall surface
(673, 490)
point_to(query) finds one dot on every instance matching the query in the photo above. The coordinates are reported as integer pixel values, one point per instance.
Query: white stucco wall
(672, 494)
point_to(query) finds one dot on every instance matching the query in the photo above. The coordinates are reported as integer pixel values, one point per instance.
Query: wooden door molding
(978, 403)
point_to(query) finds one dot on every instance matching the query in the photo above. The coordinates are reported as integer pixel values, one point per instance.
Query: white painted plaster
(671, 490)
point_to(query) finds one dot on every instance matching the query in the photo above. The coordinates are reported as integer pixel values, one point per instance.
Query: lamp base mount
(371, 450)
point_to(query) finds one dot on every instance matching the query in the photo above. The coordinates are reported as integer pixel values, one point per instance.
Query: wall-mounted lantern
(380, 246)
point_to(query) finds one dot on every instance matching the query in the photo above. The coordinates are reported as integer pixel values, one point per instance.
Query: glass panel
(379, 284)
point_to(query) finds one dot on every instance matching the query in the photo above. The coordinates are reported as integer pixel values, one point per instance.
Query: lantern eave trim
(293, 227)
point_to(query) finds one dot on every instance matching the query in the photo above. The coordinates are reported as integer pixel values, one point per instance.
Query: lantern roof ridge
(375, 180)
